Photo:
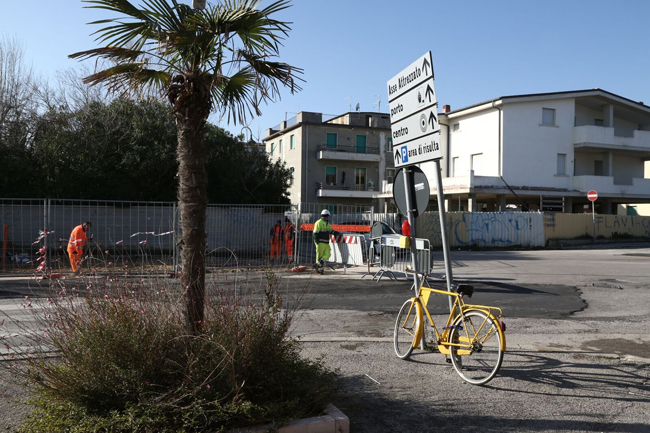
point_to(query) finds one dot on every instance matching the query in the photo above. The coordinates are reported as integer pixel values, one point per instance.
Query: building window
(331, 208)
(599, 122)
(477, 163)
(292, 172)
(361, 143)
(598, 168)
(561, 164)
(272, 149)
(389, 148)
(332, 140)
(548, 116)
(456, 127)
(455, 166)
(632, 210)
(330, 175)
(360, 177)
(390, 175)
(292, 144)
(280, 148)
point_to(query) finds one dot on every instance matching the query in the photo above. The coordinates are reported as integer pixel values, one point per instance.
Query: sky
(349, 49)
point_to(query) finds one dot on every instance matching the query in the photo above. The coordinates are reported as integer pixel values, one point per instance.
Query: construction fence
(128, 233)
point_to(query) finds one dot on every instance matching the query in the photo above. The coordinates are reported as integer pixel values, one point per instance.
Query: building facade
(544, 152)
(338, 162)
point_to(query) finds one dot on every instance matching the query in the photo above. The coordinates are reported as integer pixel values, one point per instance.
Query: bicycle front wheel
(476, 351)
(406, 327)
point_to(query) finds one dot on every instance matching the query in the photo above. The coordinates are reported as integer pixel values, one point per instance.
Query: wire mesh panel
(20, 223)
(251, 235)
(123, 233)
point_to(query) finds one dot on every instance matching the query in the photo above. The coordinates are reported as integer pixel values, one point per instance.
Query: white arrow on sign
(418, 125)
(420, 150)
(416, 73)
(423, 96)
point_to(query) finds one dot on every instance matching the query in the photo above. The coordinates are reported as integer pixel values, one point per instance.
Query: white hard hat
(325, 212)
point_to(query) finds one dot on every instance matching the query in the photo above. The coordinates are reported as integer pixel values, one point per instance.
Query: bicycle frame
(459, 307)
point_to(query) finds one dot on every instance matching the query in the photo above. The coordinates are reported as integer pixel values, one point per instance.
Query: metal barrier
(392, 258)
(347, 249)
(126, 232)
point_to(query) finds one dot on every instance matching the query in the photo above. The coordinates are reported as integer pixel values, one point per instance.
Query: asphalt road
(578, 355)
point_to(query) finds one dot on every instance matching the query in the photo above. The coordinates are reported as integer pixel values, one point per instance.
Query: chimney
(641, 102)
(446, 109)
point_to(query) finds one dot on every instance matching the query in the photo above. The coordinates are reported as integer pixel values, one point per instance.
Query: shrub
(126, 362)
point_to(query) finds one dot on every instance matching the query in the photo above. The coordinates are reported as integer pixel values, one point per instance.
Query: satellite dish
(357, 107)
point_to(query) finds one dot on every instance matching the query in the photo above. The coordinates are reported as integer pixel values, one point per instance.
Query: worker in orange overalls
(289, 237)
(76, 243)
(276, 240)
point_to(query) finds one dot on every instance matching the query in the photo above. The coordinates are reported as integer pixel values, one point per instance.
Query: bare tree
(17, 85)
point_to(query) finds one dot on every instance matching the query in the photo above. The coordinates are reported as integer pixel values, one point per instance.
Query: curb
(334, 421)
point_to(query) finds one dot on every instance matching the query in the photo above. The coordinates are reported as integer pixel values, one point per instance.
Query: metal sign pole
(443, 229)
(408, 181)
(593, 218)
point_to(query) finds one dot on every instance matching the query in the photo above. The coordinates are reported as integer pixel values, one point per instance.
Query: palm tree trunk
(192, 195)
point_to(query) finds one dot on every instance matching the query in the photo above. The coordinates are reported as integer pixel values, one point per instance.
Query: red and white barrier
(347, 249)
(344, 239)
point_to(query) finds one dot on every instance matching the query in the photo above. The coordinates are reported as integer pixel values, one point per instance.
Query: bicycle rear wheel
(478, 356)
(406, 327)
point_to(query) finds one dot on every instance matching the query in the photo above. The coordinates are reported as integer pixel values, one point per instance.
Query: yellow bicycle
(473, 337)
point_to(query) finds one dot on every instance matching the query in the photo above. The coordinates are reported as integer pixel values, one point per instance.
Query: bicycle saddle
(464, 289)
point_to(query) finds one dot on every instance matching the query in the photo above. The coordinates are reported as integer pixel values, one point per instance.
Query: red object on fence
(406, 228)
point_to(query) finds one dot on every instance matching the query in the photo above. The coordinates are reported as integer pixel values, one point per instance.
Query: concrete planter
(334, 421)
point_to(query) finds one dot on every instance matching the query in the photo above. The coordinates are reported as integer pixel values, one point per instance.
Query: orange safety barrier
(357, 228)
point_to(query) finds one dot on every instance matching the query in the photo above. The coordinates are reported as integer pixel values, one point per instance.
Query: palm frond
(273, 71)
(255, 28)
(108, 53)
(235, 96)
(127, 77)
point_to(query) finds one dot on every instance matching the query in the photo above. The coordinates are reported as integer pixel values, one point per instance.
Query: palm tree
(214, 59)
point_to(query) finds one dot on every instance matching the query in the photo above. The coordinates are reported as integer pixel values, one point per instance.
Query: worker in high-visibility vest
(322, 232)
(276, 240)
(77, 240)
(289, 238)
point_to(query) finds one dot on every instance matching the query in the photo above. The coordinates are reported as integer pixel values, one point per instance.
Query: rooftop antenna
(378, 103)
(349, 103)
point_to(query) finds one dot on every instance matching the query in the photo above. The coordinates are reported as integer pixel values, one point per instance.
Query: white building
(544, 150)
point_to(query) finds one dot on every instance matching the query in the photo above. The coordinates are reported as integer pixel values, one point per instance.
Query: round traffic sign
(419, 190)
(592, 195)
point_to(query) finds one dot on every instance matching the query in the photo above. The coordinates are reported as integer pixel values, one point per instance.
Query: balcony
(605, 186)
(600, 138)
(344, 191)
(368, 153)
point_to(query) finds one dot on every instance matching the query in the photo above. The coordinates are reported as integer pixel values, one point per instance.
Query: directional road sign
(414, 114)
(592, 195)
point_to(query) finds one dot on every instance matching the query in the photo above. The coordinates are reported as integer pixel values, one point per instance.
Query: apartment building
(337, 161)
(544, 151)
